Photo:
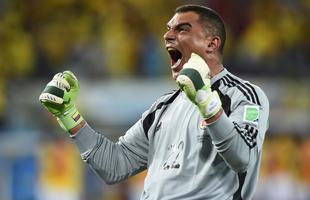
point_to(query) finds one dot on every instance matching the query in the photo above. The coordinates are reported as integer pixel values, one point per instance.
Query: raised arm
(112, 161)
(237, 138)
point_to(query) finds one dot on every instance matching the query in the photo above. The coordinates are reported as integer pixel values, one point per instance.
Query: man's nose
(169, 36)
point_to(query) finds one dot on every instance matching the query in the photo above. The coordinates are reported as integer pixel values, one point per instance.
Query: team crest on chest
(203, 125)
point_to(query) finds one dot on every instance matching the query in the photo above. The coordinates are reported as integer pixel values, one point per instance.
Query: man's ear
(213, 44)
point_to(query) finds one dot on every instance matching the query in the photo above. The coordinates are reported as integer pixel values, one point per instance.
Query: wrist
(70, 119)
(214, 118)
(76, 129)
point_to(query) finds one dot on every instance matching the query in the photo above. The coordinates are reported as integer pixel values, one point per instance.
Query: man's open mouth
(175, 55)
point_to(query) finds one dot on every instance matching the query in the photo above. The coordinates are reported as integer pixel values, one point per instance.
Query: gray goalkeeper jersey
(184, 157)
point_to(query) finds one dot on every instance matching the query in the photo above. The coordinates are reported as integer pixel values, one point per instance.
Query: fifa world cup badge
(251, 114)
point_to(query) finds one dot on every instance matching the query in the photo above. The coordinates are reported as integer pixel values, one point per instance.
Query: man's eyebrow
(184, 24)
(180, 25)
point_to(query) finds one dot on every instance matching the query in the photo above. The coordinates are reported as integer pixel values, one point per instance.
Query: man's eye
(183, 28)
(179, 29)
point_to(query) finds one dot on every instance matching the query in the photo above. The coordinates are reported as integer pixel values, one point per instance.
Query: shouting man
(203, 141)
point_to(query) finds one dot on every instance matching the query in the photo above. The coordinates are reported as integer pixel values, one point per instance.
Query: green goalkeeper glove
(59, 98)
(194, 80)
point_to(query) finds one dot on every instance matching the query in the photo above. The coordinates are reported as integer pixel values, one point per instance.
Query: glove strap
(194, 76)
(70, 119)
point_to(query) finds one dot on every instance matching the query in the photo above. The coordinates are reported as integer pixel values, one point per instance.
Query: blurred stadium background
(116, 50)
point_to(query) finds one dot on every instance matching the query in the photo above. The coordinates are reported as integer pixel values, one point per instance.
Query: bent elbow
(108, 178)
(111, 182)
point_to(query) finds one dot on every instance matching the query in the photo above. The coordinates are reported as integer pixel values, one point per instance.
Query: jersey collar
(219, 76)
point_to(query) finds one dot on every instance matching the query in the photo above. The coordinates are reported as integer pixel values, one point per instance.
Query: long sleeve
(239, 137)
(114, 162)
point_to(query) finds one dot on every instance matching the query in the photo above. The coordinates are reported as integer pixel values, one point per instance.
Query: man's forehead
(186, 17)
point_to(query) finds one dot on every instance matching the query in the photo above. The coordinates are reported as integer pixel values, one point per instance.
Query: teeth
(170, 48)
(178, 62)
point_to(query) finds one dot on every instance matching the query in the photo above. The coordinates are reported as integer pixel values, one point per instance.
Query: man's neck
(215, 68)
(214, 62)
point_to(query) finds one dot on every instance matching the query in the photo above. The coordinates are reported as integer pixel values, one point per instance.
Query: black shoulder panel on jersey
(253, 90)
(149, 119)
(225, 99)
(246, 88)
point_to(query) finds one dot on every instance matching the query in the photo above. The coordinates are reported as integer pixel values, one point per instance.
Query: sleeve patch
(251, 114)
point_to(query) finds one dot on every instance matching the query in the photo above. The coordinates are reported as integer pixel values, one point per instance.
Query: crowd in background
(101, 38)
(124, 37)
(121, 39)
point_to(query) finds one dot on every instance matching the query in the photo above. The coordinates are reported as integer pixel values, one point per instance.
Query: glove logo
(212, 106)
(76, 116)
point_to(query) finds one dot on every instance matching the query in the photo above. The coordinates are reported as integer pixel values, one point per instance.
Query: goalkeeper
(202, 141)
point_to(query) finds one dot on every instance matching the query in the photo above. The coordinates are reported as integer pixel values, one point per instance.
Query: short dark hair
(211, 19)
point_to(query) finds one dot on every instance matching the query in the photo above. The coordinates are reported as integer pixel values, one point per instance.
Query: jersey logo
(251, 114)
(203, 125)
